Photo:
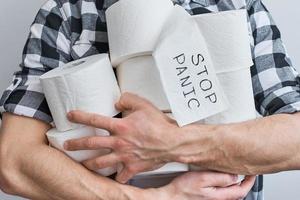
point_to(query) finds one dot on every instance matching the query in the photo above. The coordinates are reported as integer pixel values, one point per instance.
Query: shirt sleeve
(276, 83)
(47, 47)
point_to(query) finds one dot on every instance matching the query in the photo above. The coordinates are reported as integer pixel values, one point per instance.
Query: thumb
(216, 179)
(131, 102)
(124, 176)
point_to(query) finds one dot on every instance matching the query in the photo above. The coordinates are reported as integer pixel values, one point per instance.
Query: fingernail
(70, 115)
(123, 181)
(235, 178)
(66, 145)
(120, 167)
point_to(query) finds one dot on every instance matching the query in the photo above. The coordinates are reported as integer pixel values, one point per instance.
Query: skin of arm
(147, 138)
(31, 169)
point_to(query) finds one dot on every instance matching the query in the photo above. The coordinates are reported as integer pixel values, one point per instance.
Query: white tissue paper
(57, 140)
(228, 41)
(237, 86)
(227, 38)
(168, 168)
(134, 26)
(186, 70)
(88, 84)
(140, 76)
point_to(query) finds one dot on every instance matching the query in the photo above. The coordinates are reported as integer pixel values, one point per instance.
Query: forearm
(60, 178)
(259, 146)
(37, 171)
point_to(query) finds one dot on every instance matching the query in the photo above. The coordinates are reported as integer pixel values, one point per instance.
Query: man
(67, 30)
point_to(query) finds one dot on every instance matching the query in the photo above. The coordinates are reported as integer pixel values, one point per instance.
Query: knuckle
(99, 163)
(126, 158)
(90, 143)
(93, 119)
(119, 143)
(124, 96)
(131, 169)
(121, 127)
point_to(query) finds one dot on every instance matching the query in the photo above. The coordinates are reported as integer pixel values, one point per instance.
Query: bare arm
(146, 138)
(30, 168)
(265, 145)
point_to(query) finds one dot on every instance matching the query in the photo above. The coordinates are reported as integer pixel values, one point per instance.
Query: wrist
(134, 193)
(162, 193)
(127, 192)
(197, 143)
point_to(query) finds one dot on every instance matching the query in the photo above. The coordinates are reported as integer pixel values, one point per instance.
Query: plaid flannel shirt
(66, 30)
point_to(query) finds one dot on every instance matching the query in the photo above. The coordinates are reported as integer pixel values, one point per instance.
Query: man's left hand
(140, 141)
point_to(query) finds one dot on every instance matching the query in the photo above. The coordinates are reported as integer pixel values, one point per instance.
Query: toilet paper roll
(168, 168)
(170, 115)
(133, 27)
(88, 84)
(227, 38)
(186, 70)
(140, 76)
(57, 140)
(237, 86)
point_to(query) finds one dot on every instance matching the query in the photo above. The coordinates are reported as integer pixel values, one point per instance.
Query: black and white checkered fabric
(66, 30)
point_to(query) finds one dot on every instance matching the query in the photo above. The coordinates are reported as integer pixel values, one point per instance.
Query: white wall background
(16, 16)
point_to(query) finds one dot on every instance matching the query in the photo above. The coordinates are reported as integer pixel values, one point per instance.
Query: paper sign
(187, 72)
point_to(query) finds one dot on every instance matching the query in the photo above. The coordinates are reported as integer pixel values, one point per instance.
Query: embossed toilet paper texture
(227, 37)
(57, 140)
(88, 84)
(134, 26)
(187, 71)
(139, 75)
(237, 86)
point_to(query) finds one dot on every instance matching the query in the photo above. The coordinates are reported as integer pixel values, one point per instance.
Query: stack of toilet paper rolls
(89, 85)
(133, 30)
(228, 40)
(133, 33)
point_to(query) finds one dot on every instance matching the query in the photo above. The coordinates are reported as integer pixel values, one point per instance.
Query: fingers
(126, 172)
(102, 162)
(237, 191)
(125, 175)
(216, 179)
(93, 120)
(132, 102)
(90, 143)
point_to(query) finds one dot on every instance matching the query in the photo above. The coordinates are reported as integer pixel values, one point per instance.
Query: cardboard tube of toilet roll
(133, 27)
(57, 140)
(88, 84)
(140, 76)
(227, 38)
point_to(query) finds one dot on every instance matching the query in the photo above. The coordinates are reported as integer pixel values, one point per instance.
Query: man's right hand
(206, 186)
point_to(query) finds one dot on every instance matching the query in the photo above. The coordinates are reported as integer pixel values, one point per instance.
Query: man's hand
(31, 169)
(140, 140)
(207, 186)
(146, 139)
